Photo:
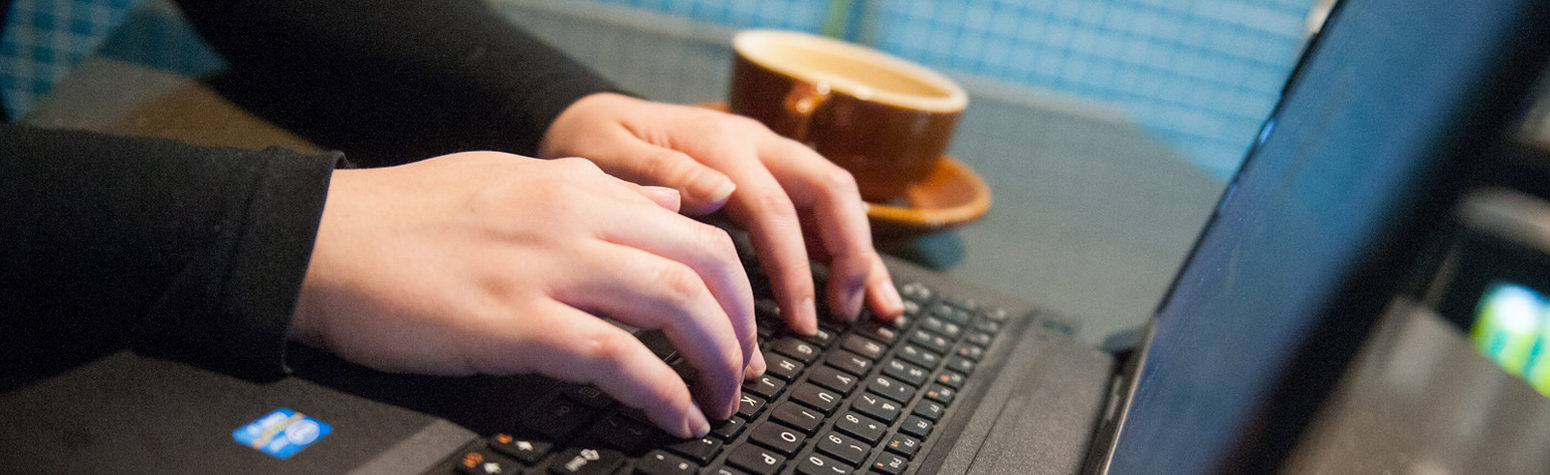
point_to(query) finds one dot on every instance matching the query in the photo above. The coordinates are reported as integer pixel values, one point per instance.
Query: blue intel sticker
(282, 433)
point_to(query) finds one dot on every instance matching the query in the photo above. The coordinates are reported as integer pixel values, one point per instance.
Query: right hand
(491, 263)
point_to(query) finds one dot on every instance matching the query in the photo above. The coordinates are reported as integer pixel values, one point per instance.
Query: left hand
(773, 186)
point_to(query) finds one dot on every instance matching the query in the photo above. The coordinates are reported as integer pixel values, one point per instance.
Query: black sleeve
(188, 252)
(389, 81)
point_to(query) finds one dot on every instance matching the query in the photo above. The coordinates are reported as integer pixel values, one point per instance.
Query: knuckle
(839, 181)
(660, 163)
(577, 165)
(746, 123)
(775, 204)
(609, 349)
(716, 241)
(680, 284)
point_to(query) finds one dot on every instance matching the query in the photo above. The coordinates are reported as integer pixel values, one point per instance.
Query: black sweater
(198, 253)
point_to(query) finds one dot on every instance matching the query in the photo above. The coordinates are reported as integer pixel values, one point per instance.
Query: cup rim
(745, 44)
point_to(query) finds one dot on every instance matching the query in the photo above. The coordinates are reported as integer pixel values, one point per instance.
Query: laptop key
(877, 407)
(922, 358)
(729, 428)
(558, 419)
(843, 447)
(877, 331)
(822, 337)
(931, 341)
(755, 459)
(903, 445)
(929, 409)
(940, 393)
(916, 426)
(960, 364)
(589, 396)
(891, 388)
(586, 461)
(916, 292)
(862, 427)
(889, 464)
(725, 471)
(905, 372)
(864, 347)
(797, 416)
(816, 397)
(801, 350)
(623, 433)
(979, 338)
(749, 406)
(970, 351)
(952, 379)
(480, 462)
(783, 367)
(819, 464)
(832, 378)
(951, 313)
(849, 362)
(941, 327)
(658, 462)
(765, 386)
(778, 437)
(700, 451)
(525, 449)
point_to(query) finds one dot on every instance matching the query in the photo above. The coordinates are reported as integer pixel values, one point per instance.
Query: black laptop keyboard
(856, 398)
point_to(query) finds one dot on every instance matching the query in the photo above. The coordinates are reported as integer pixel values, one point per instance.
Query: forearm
(185, 251)
(388, 81)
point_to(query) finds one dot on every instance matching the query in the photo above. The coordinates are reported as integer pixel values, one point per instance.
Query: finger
(668, 198)
(839, 219)
(882, 296)
(708, 250)
(586, 172)
(577, 347)
(704, 189)
(762, 206)
(644, 290)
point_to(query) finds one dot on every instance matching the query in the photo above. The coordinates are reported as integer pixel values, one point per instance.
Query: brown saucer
(950, 196)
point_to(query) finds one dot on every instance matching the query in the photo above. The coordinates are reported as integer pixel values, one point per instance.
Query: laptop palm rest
(1039, 413)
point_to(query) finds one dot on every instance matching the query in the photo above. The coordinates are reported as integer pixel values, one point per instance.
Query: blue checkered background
(1200, 74)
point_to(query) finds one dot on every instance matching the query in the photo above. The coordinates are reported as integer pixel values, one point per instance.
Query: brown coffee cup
(886, 120)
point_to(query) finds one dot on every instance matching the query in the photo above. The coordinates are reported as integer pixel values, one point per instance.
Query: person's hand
(496, 264)
(773, 186)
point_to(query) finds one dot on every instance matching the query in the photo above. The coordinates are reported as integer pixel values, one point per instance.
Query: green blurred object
(836, 22)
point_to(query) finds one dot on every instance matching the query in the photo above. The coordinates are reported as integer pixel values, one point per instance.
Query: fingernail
(698, 425)
(756, 366)
(809, 317)
(721, 191)
(853, 302)
(892, 299)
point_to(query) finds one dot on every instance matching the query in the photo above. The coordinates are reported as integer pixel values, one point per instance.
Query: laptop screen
(1314, 231)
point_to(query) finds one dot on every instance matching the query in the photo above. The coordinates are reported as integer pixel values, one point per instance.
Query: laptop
(1356, 168)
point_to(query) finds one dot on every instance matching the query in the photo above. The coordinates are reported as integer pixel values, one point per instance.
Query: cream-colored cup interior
(852, 69)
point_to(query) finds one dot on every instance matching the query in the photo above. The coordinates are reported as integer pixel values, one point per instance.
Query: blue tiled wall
(1200, 74)
(44, 39)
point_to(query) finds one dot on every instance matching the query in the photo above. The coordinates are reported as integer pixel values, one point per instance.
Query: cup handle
(803, 100)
